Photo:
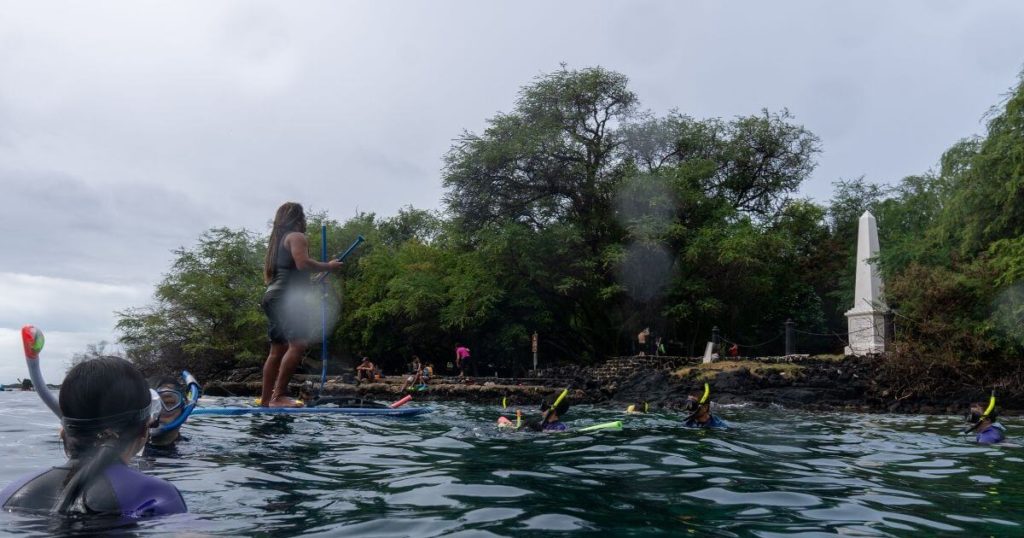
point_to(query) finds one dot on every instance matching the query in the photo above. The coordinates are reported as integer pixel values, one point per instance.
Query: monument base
(866, 332)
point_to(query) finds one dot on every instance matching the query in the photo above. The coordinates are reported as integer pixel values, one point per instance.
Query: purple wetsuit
(555, 427)
(995, 433)
(119, 490)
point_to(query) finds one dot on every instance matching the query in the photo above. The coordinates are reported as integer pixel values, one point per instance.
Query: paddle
(341, 257)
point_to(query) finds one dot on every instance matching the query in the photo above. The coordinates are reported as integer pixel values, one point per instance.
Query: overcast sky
(128, 128)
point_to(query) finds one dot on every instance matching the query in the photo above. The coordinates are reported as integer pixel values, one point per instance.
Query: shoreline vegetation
(583, 218)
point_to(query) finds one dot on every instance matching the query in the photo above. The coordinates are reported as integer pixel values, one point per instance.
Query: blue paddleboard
(361, 411)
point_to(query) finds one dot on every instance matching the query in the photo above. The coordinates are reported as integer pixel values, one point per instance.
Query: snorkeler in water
(984, 420)
(699, 410)
(178, 397)
(639, 407)
(107, 409)
(552, 410)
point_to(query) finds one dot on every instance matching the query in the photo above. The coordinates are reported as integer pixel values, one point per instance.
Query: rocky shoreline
(827, 383)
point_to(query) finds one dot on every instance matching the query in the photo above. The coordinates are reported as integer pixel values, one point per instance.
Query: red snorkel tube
(33, 340)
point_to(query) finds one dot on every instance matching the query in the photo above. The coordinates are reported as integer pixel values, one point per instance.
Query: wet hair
(562, 409)
(105, 407)
(974, 417)
(289, 218)
(156, 382)
(563, 406)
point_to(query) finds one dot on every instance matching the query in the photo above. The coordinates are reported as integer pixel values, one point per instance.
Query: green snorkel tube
(985, 415)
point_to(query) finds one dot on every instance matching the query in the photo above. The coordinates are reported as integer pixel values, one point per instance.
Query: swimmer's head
(639, 407)
(107, 410)
(557, 412)
(977, 412)
(695, 408)
(172, 405)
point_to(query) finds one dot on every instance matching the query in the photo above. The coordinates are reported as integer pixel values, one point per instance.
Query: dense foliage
(581, 217)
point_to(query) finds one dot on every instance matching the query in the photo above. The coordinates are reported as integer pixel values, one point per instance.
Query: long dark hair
(289, 218)
(105, 407)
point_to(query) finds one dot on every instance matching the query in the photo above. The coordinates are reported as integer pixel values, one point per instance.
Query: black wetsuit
(119, 490)
(282, 302)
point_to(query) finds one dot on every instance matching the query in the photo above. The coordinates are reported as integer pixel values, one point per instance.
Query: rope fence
(834, 336)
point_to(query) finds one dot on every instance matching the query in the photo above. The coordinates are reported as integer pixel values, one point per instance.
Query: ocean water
(777, 472)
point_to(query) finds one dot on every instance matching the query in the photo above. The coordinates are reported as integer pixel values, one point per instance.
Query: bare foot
(284, 401)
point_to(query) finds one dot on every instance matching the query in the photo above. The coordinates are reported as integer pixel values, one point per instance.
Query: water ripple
(452, 473)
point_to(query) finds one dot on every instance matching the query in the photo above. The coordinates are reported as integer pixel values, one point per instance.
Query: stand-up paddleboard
(358, 411)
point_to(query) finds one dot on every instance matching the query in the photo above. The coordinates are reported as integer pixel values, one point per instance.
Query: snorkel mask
(190, 399)
(975, 419)
(694, 406)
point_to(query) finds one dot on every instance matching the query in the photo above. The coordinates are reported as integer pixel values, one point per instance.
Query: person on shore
(984, 421)
(463, 360)
(641, 340)
(699, 409)
(415, 376)
(366, 370)
(286, 271)
(107, 409)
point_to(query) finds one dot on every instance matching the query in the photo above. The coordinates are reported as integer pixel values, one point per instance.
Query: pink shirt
(462, 352)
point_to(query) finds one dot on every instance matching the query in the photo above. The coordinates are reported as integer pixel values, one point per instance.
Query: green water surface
(777, 472)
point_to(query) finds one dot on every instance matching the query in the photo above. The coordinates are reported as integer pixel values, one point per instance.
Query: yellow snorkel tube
(985, 415)
(538, 426)
(700, 403)
(558, 400)
(991, 405)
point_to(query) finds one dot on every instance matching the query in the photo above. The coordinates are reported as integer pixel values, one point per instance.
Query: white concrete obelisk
(866, 320)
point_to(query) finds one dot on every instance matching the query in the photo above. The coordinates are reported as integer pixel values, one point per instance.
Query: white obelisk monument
(866, 320)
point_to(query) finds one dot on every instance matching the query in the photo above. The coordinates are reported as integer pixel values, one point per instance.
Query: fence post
(890, 329)
(533, 347)
(790, 344)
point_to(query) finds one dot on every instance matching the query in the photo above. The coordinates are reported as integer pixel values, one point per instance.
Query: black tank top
(286, 274)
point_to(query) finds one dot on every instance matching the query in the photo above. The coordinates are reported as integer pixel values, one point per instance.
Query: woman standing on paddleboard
(286, 271)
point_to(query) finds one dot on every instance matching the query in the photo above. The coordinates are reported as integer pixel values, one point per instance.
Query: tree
(206, 316)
